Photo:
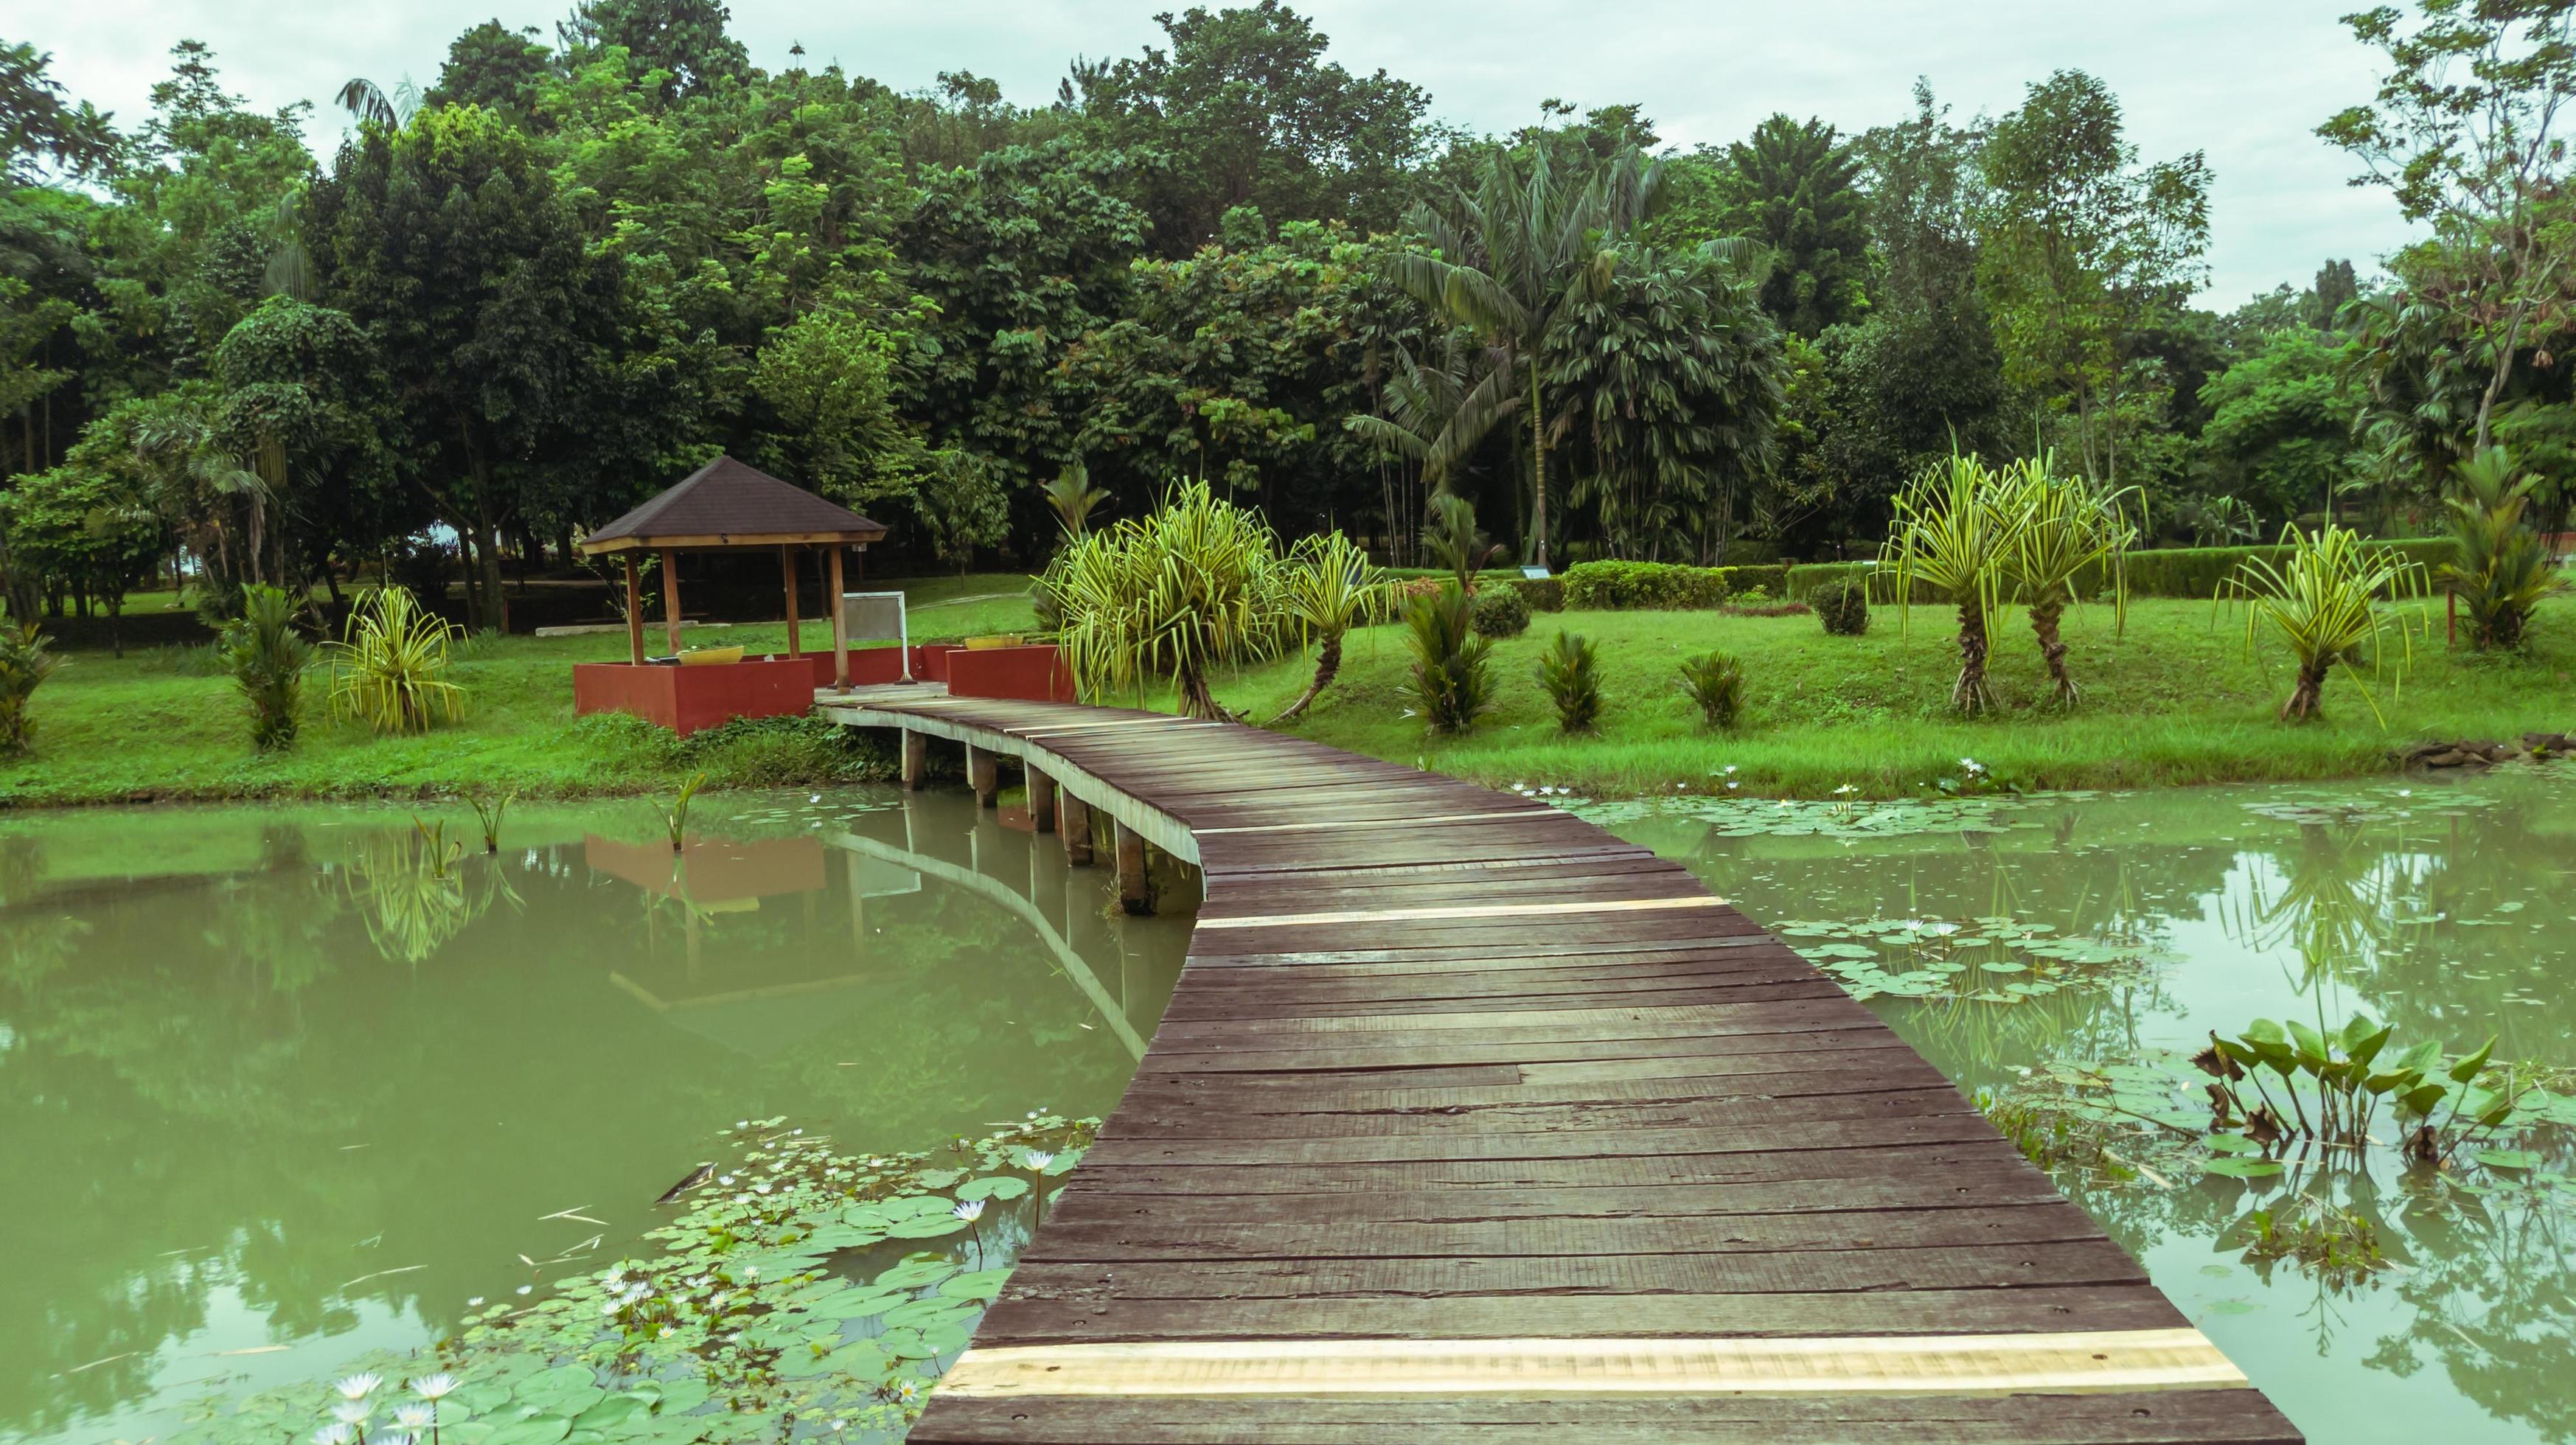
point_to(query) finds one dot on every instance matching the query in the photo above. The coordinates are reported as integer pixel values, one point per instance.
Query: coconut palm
(1954, 530)
(1177, 593)
(1328, 587)
(2324, 601)
(2502, 570)
(2068, 525)
(1503, 263)
(373, 104)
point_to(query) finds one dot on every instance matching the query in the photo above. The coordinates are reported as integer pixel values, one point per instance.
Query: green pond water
(2131, 926)
(273, 1093)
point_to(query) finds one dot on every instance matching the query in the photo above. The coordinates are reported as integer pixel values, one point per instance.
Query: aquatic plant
(24, 665)
(1954, 529)
(389, 669)
(488, 811)
(1328, 587)
(1452, 681)
(1570, 671)
(267, 657)
(2338, 1246)
(2439, 1104)
(2324, 602)
(1715, 682)
(676, 817)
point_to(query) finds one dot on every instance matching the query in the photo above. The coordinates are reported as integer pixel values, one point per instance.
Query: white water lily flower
(477, 1300)
(333, 1434)
(970, 1211)
(751, 1271)
(667, 1332)
(359, 1387)
(1845, 790)
(397, 1440)
(351, 1412)
(527, 1289)
(415, 1417)
(1037, 1159)
(610, 1307)
(908, 1391)
(435, 1387)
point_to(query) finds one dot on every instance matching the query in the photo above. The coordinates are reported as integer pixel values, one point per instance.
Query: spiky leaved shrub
(1715, 682)
(389, 670)
(1452, 682)
(1500, 612)
(2324, 603)
(1570, 672)
(1842, 606)
(24, 663)
(267, 658)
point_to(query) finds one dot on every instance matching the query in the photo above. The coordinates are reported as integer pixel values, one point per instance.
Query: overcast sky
(2247, 81)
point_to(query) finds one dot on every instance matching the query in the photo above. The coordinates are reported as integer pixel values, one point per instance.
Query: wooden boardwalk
(1469, 1121)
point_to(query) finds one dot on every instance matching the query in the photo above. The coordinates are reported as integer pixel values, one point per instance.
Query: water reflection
(277, 1086)
(2440, 908)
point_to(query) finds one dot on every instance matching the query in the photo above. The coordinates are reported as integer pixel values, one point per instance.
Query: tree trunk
(496, 603)
(2052, 648)
(116, 623)
(1328, 661)
(2307, 699)
(1971, 695)
(1538, 468)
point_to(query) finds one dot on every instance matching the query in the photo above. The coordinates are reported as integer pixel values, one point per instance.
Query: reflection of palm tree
(412, 894)
(2333, 907)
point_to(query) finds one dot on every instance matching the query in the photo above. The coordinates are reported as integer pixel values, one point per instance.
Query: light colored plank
(1479, 910)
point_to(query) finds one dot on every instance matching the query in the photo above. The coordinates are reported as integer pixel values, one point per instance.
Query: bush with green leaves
(1451, 683)
(1570, 671)
(389, 670)
(267, 657)
(2501, 568)
(1843, 606)
(1543, 594)
(2324, 603)
(24, 664)
(1664, 586)
(1715, 681)
(1499, 612)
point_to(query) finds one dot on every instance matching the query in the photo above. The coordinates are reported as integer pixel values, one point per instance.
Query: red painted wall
(688, 699)
(1035, 673)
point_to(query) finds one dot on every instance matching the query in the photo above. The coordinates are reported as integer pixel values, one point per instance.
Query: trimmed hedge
(1663, 586)
(2193, 572)
(1499, 612)
(1543, 594)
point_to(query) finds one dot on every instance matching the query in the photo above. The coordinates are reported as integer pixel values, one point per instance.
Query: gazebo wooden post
(671, 599)
(840, 624)
(787, 570)
(634, 613)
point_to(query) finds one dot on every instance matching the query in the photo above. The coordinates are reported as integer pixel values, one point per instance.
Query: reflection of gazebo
(724, 506)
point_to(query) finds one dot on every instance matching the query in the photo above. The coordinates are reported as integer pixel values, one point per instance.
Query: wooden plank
(1443, 1066)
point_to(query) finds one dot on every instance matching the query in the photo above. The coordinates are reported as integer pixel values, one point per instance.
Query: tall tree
(38, 127)
(2468, 132)
(1792, 189)
(2082, 249)
(1502, 262)
(495, 67)
(682, 46)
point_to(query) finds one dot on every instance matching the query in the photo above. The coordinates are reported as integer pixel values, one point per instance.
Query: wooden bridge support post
(916, 759)
(984, 775)
(1134, 893)
(1041, 802)
(1073, 820)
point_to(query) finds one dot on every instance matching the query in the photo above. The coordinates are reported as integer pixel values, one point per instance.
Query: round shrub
(1500, 612)
(1843, 607)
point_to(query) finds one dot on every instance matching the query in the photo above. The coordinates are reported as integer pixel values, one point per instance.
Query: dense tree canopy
(584, 260)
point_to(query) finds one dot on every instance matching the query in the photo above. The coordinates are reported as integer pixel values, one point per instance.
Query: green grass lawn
(164, 723)
(2175, 700)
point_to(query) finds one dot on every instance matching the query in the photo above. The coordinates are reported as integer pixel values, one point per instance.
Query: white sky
(2245, 80)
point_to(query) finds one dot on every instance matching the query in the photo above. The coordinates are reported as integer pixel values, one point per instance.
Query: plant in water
(1570, 671)
(2324, 601)
(2503, 568)
(676, 817)
(24, 664)
(2336, 1245)
(267, 658)
(2440, 1105)
(488, 811)
(1451, 682)
(1190, 587)
(1715, 682)
(1329, 587)
(389, 671)
(1953, 530)
(2067, 526)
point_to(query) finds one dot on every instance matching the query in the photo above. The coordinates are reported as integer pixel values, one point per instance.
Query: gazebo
(724, 506)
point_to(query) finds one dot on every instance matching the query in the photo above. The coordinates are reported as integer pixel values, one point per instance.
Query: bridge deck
(1469, 1120)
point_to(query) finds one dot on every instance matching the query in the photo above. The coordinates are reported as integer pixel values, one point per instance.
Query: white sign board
(877, 617)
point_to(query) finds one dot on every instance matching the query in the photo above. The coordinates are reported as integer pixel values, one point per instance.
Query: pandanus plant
(1955, 528)
(1186, 589)
(2324, 601)
(390, 669)
(1328, 587)
(2066, 526)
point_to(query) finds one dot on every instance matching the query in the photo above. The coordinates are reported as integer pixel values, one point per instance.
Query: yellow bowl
(708, 656)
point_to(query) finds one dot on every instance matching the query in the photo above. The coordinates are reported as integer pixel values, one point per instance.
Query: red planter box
(1035, 673)
(868, 666)
(687, 699)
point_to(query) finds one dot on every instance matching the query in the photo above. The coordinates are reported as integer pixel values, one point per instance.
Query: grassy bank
(2174, 700)
(165, 724)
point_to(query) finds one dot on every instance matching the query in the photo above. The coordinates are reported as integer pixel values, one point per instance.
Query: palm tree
(373, 104)
(1503, 264)
(1437, 410)
(1954, 529)
(1329, 587)
(1074, 499)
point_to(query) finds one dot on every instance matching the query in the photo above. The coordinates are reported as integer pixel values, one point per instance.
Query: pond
(282, 1086)
(2025, 946)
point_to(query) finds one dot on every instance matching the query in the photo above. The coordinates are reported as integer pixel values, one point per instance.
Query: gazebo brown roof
(726, 504)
